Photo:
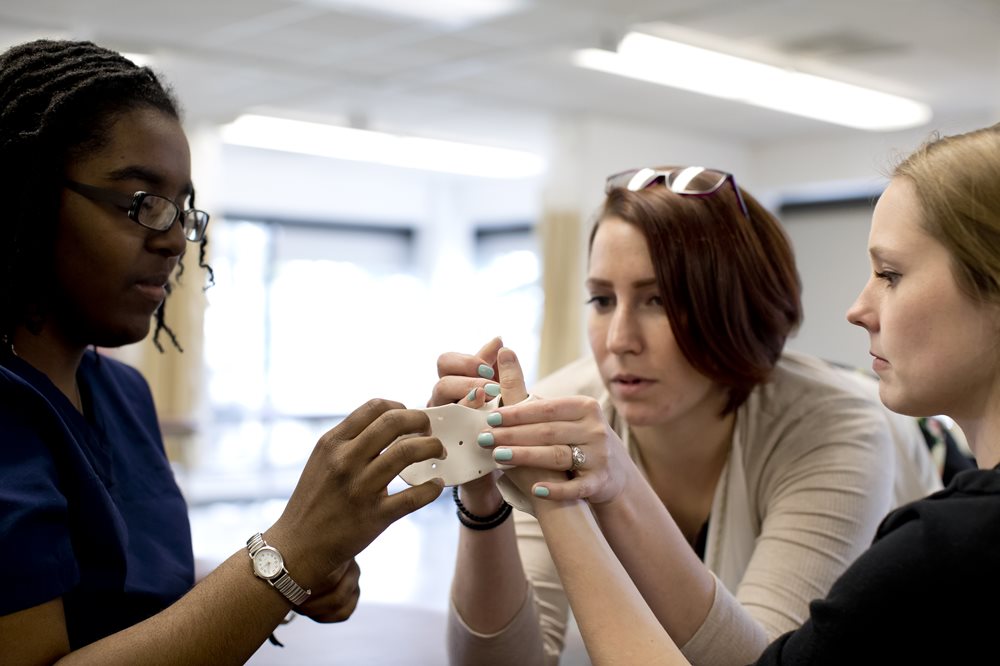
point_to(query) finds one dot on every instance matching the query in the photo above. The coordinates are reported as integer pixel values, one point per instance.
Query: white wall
(584, 149)
(830, 249)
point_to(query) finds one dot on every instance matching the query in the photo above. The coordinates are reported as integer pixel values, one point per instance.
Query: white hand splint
(458, 428)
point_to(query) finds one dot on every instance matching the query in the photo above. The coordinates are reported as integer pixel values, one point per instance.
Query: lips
(154, 286)
(879, 364)
(628, 380)
(625, 386)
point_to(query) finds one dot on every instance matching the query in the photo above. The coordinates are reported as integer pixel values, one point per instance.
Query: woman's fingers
(467, 379)
(470, 391)
(575, 408)
(580, 487)
(339, 602)
(512, 386)
(466, 365)
(362, 417)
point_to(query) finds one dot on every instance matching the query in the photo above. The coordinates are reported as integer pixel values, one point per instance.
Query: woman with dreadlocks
(95, 543)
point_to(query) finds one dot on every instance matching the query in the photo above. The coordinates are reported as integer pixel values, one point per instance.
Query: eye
(600, 302)
(891, 278)
(655, 301)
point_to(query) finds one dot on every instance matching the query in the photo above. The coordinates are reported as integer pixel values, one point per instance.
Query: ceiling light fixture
(454, 13)
(345, 143)
(140, 59)
(678, 65)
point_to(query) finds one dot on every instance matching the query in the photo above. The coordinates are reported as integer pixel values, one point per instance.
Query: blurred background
(393, 179)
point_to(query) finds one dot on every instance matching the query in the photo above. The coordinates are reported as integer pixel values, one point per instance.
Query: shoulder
(581, 377)
(797, 377)
(23, 408)
(806, 392)
(938, 546)
(965, 514)
(810, 418)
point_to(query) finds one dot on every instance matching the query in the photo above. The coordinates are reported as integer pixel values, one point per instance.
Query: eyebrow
(137, 172)
(638, 284)
(878, 252)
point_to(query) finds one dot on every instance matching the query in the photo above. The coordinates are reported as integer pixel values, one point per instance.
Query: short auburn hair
(729, 284)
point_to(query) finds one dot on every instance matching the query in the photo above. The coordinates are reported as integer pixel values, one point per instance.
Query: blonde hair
(957, 180)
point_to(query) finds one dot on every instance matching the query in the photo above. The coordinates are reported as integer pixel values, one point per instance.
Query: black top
(925, 592)
(89, 509)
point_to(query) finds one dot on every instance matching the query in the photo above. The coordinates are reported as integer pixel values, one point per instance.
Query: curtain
(562, 277)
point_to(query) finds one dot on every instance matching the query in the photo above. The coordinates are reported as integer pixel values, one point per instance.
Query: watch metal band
(282, 582)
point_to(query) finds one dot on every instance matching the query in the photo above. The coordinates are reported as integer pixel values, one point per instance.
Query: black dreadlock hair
(58, 99)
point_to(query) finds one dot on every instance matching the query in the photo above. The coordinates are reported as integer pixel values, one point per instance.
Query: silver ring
(578, 456)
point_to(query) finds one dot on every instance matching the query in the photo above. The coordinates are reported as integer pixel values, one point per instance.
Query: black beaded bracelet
(474, 522)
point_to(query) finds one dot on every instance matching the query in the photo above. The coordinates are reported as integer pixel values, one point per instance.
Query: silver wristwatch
(269, 565)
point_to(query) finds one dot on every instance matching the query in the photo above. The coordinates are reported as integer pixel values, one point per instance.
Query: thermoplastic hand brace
(458, 427)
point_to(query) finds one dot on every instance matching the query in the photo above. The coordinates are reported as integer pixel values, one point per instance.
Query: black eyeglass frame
(623, 179)
(132, 203)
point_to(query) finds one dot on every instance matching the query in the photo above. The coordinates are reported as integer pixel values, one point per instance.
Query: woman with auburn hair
(734, 480)
(932, 312)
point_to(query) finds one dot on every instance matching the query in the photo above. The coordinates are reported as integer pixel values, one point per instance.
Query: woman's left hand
(542, 433)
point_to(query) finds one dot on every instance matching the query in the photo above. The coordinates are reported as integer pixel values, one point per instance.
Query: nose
(862, 311)
(624, 335)
(169, 243)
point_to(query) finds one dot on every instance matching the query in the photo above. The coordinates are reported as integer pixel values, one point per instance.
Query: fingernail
(502, 454)
(493, 390)
(540, 491)
(438, 481)
(485, 371)
(472, 395)
(494, 418)
(485, 439)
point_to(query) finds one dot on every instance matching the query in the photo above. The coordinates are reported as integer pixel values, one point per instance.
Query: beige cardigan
(815, 464)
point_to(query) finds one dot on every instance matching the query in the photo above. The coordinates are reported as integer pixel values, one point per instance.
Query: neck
(55, 357)
(983, 435)
(981, 426)
(698, 443)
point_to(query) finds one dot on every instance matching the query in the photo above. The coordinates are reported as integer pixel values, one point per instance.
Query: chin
(642, 415)
(122, 335)
(901, 403)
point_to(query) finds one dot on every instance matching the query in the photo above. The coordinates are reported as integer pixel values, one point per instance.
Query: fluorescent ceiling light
(140, 59)
(446, 12)
(679, 65)
(345, 143)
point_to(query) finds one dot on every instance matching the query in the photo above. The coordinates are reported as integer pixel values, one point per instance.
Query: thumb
(488, 352)
(512, 388)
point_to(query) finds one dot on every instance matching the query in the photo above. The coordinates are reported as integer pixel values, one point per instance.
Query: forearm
(618, 626)
(674, 582)
(222, 620)
(489, 586)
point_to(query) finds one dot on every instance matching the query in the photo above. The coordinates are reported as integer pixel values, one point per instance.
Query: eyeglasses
(692, 181)
(150, 210)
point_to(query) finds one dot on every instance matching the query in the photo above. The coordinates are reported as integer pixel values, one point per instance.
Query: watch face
(267, 562)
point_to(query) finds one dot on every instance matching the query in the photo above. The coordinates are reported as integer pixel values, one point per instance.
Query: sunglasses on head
(691, 181)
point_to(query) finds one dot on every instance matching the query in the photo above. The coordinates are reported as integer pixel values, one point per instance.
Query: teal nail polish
(494, 418)
(493, 390)
(485, 371)
(472, 395)
(541, 491)
(502, 454)
(485, 439)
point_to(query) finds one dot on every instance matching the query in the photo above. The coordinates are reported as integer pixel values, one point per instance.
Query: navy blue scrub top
(89, 508)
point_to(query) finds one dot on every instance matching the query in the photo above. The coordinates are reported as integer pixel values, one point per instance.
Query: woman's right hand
(341, 502)
(470, 380)
(466, 379)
